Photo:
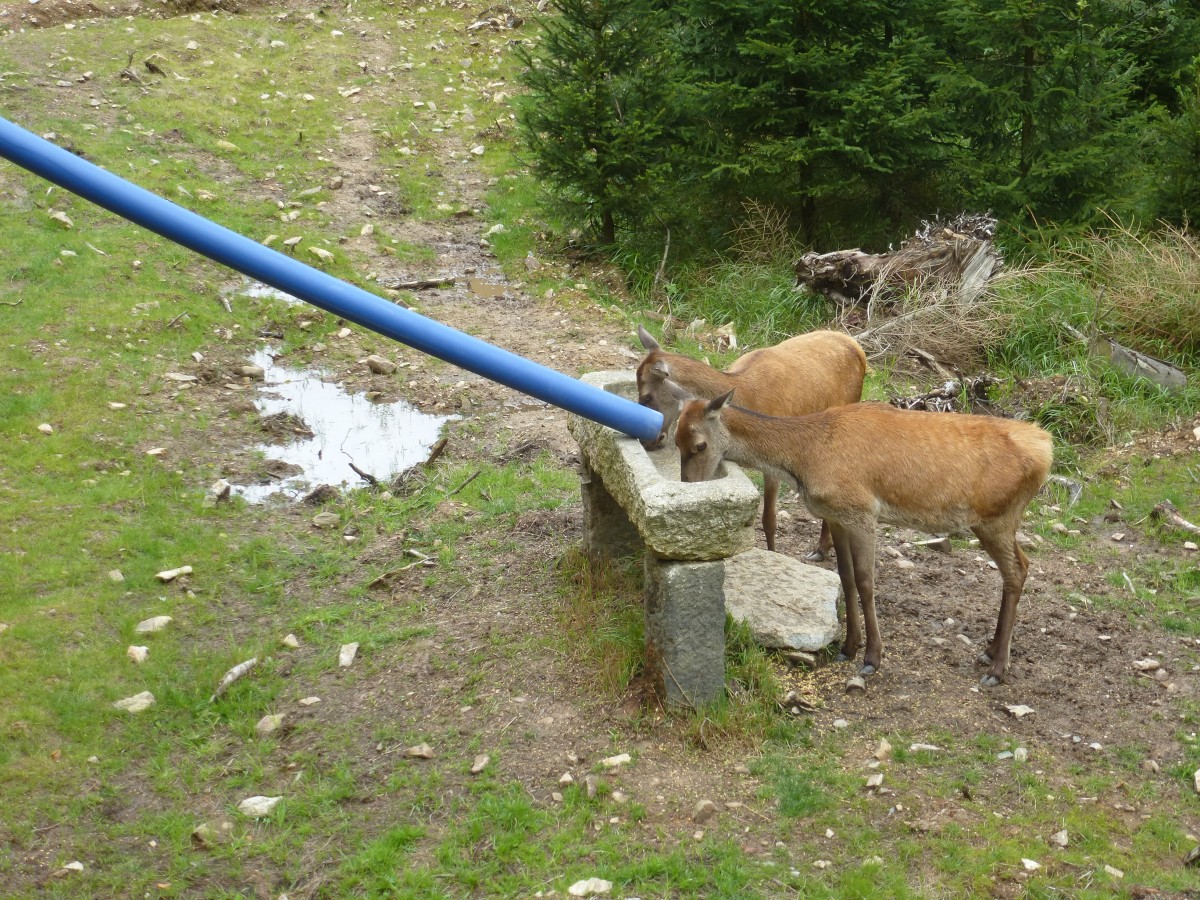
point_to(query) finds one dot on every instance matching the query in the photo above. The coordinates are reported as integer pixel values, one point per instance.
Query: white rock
(1196, 780)
(875, 780)
(1190, 545)
(46, 428)
(326, 519)
(346, 655)
(3, 627)
(1060, 838)
(1018, 710)
(590, 887)
(115, 575)
(566, 778)
(420, 751)
(138, 654)
(268, 724)
(291, 642)
(614, 761)
(310, 701)
(884, 750)
(704, 811)
(1114, 872)
(915, 748)
(137, 703)
(1030, 865)
(840, 723)
(257, 807)
(380, 365)
(1149, 664)
(321, 253)
(480, 763)
(905, 564)
(786, 603)
(495, 229)
(478, 150)
(153, 624)
(1021, 754)
(172, 574)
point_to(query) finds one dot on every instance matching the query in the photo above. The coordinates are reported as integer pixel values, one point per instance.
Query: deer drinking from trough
(858, 465)
(802, 375)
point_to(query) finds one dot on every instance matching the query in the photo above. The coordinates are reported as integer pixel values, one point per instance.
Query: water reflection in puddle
(257, 289)
(383, 439)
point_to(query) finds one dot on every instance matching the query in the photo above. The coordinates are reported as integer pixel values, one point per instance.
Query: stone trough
(697, 541)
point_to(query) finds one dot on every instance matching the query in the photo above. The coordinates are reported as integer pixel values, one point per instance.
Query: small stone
(905, 564)
(257, 807)
(61, 218)
(591, 785)
(1095, 746)
(116, 575)
(1191, 545)
(1058, 528)
(622, 797)
(46, 428)
(346, 655)
(321, 253)
(800, 658)
(380, 365)
(590, 887)
(1118, 536)
(964, 639)
(210, 834)
(1114, 872)
(255, 373)
(153, 624)
(566, 778)
(1196, 780)
(856, 683)
(156, 451)
(892, 552)
(480, 763)
(884, 750)
(821, 864)
(840, 723)
(1018, 710)
(1024, 540)
(1021, 754)
(875, 781)
(71, 868)
(940, 544)
(138, 654)
(1030, 865)
(93, 759)
(291, 642)
(1149, 664)
(1007, 754)
(114, 405)
(310, 701)
(930, 748)
(268, 724)
(556, 796)
(704, 811)
(4, 627)
(615, 761)
(367, 230)
(172, 574)
(1149, 765)
(420, 751)
(137, 703)
(326, 519)
(1060, 838)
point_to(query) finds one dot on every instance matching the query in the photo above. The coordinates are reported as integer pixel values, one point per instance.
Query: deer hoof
(984, 658)
(989, 681)
(868, 669)
(815, 556)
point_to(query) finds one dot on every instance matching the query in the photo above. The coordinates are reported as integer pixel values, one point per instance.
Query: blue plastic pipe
(316, 287)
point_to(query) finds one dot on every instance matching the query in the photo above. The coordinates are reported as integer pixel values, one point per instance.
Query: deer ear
(719, 403)
(659, 369)
(647, 340)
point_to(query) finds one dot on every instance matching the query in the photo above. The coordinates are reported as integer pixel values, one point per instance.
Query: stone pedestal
(685, 631)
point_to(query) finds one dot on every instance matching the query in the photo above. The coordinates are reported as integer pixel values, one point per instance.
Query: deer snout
(657, 443)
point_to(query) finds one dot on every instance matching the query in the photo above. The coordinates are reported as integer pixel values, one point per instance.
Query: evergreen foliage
(598, 117)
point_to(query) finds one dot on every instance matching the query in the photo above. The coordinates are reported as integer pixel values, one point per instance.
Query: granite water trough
(697, 541)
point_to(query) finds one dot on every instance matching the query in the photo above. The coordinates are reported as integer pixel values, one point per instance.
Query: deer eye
(700, 447)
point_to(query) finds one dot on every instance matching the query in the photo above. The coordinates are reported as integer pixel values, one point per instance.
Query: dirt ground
(1072, 662)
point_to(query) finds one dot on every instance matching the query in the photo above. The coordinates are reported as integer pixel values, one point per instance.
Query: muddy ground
(1071, 656)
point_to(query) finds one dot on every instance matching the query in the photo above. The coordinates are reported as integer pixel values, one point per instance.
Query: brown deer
(858, 465)
(802, 375)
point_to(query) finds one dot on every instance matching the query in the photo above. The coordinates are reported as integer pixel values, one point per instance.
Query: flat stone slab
(789, 605)
(704, 521)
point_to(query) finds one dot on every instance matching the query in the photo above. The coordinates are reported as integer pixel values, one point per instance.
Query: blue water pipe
(316, 287)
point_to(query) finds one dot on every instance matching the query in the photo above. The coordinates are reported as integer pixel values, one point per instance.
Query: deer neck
(781, 446)
(699, 378)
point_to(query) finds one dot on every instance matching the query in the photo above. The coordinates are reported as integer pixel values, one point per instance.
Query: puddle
(383, 439)
(256, 290)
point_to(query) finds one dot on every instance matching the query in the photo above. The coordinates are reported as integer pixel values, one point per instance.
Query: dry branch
(1167, 512)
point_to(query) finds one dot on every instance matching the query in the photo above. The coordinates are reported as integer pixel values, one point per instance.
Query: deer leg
(862, 551)
(1014, 568)
(845, 565)
(770, 505)
(824, 545)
